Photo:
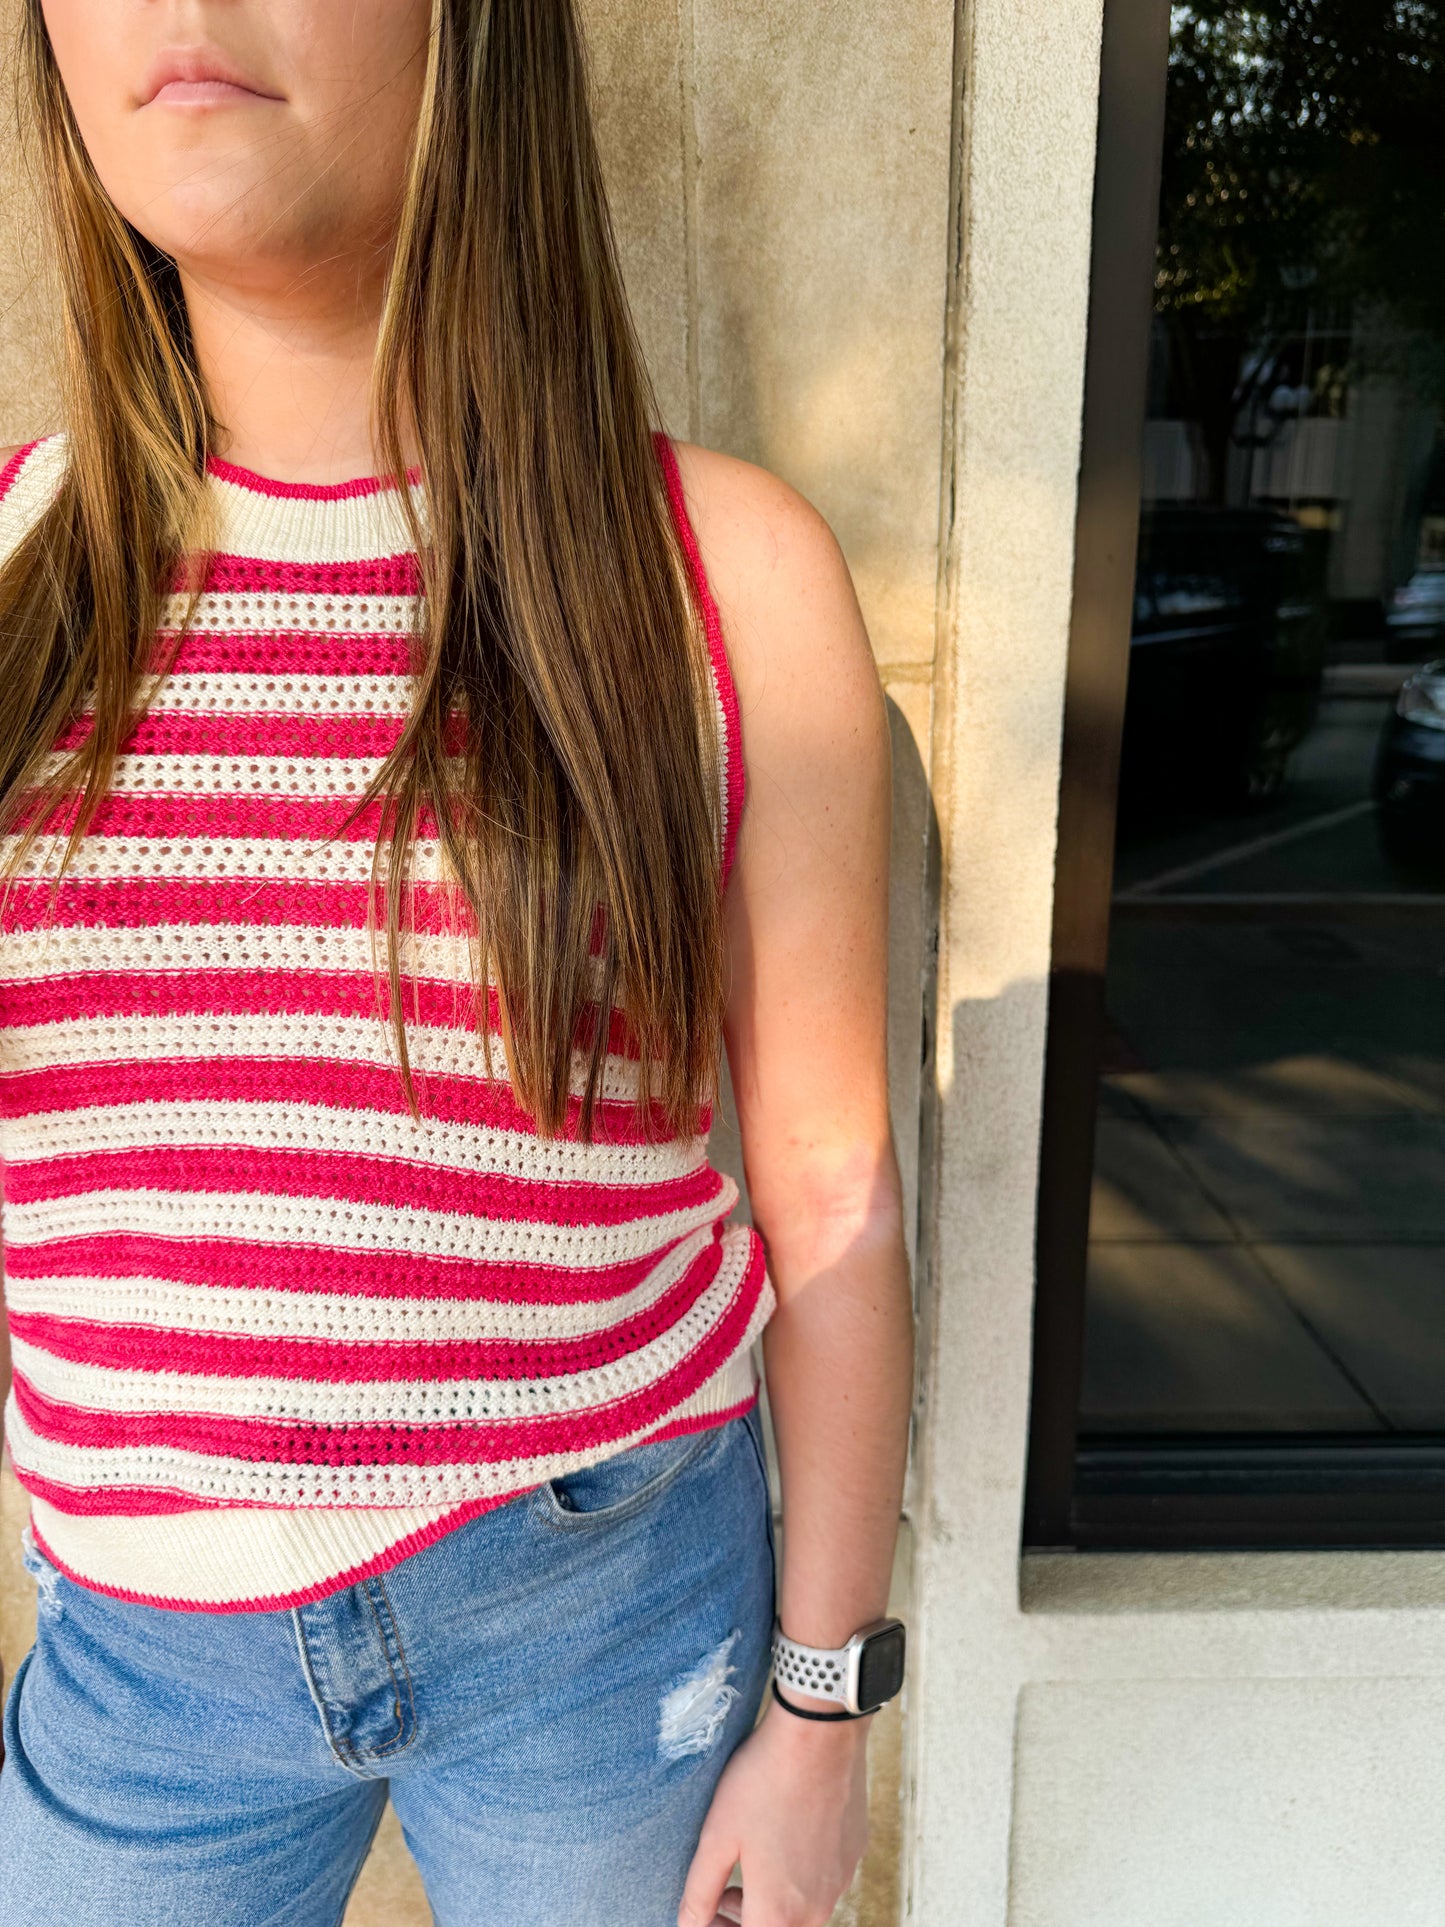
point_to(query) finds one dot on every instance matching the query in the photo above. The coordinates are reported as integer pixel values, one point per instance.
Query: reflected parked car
(1226, 656)
(1415, 619)
(1410, 772)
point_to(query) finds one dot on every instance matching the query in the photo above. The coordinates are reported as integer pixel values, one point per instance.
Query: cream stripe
(354, 1040)
(58, 950)
(349, 528)
(382, 1401)
(471, 1150)
(280, 694)
(723, 753)
(343, 1321)
(30, 492)
(300, 778)
(207, 1557)
(284, 612)
(242, 859)
(61, 950)
(329, 1225)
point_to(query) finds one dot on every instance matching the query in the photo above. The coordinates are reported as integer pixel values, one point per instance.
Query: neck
(288, 373)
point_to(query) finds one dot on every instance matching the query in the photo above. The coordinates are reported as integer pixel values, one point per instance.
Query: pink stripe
(712, 623)
(16, 462)
(238, 1264)
(137, 903)
(244, 1170)
(396, 575)
(359, 485)
(265, 1441)
(328, 737)
(440, 1003)
(148, 1348)
(180, 818)
(383, 1562)
(333, 1083)
(283, 652)
(131, 1501)
(89, 1501)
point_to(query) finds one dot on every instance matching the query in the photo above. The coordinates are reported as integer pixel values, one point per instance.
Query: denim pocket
(752, 1422)
(617, 1487)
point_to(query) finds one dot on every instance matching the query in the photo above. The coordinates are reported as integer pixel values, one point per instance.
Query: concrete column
(1025, 89)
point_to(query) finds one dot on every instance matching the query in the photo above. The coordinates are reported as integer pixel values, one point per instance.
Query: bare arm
(806, 1037)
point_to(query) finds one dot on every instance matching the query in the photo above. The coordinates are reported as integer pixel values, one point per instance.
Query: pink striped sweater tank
(270, 1333)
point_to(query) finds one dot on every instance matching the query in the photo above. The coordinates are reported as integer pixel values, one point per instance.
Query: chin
(212, 224)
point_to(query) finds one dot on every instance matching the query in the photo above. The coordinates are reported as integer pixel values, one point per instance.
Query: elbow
(819, 1221)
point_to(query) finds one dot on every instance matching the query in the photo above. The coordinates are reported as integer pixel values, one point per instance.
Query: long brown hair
(559, 625)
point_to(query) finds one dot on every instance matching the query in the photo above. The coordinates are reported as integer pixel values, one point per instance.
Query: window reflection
(1267, 1248)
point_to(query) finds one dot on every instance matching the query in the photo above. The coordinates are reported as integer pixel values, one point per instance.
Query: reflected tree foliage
(1302, 184)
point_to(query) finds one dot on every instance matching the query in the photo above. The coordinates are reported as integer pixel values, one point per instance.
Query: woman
(379, 891)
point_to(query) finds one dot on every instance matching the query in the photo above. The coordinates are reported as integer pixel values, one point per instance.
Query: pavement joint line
(1256, 846)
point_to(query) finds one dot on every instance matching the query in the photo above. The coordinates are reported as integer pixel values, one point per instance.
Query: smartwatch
(861, 1676)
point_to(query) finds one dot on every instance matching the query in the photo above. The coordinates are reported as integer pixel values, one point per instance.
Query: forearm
(839, 1358)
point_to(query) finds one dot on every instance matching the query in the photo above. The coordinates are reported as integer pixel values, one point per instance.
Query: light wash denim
(549, 1692)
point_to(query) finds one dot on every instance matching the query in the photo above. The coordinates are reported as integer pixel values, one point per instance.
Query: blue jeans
(548, 1692)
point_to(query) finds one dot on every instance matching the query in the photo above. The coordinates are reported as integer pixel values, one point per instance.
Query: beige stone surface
(17, 1588)
(1292, 1802)
(1016, 330)
(388, 1892)
(28, 404)
(823, 134)
(635, 53)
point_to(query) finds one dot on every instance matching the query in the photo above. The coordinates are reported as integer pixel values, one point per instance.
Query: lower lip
(203, 93)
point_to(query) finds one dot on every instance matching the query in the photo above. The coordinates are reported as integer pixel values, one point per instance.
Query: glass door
(1258, 1351)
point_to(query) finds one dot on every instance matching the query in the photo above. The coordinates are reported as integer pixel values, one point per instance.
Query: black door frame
(1132, 76)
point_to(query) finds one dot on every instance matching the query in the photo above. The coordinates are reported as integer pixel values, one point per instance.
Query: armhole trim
(734, 774)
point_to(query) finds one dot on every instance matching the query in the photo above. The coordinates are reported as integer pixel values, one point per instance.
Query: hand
(792, 1806)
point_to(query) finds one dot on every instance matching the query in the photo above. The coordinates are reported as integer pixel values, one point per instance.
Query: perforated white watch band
(827, 1672)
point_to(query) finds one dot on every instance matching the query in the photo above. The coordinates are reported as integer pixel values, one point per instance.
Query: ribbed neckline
(360, 520)
(248, 478)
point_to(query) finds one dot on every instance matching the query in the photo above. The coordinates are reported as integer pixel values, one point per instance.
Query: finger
(730, 1907)
(702, 1893)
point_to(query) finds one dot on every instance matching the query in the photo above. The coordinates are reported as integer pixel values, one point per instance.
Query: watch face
(880, 1666)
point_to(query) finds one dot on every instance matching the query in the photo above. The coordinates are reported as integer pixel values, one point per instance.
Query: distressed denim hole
(694, 1712)
(46, 1576)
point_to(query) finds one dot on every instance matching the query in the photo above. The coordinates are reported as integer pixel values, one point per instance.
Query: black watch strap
(805, 1713)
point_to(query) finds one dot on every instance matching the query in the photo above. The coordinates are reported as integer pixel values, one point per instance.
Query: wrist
(838, 1684)
(820, 1740)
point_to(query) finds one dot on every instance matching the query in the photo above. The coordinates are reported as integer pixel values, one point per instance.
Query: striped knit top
(270, 1332)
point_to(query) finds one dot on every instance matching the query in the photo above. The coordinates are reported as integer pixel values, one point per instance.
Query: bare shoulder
(790, 616)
